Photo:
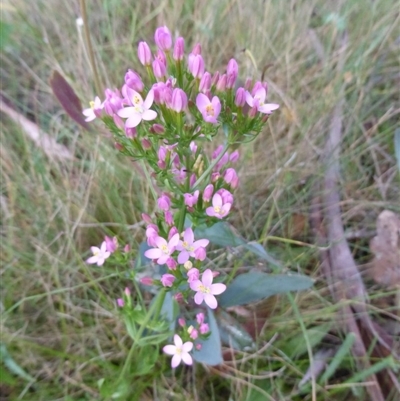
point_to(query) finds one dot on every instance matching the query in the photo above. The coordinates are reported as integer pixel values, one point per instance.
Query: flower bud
(130, 132)
(127, 248)
(193, 147)
(157, 129)
(198, 346)
(118, 146)
(240, 97)
(146, 281)
(164, 202)
(188, 265)
(192, 179)
(215, 78)
(133, 81)
(230, 174)
(208, 193)
(171, 263)
(168, 218)
(200, 318)
(159, 69)
(204, 328)
(111, 244)
(144, 54)
(178, 297)
(163, 38)
(167, 280)
(146, 144)
(193, 274)
(182, 322)
(258, 85)
(119, 122)
(221, 84)
(234, 157)
(127, 292)
(193, 334)
(179, 49)
(191, 200)
(146, 218)
(200, 253)
(172, 232)
(120, 302)
(196, 66)
(205, 83)
(196, 49)
(248, 83)
(232, 73)
(179, 100)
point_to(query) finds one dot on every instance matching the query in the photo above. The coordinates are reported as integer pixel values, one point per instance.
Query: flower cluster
(165, 120)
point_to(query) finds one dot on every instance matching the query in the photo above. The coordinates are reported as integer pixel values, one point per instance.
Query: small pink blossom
(200, 253)
(193, 333)
(133, 81)
(188, 246)
(169, 218)
(196, 65)
(167, 280)
(120, 302)
(180, 351)
(234, 157)
(209, 110)
(200, 318)
(205, 83)
(111, 244)
(221, 84)
(231, 73)
(94, 110)
(113, 102)
(218, 209)
(240, 97)
(146, 281)
(227, 197)
(140, 110)
(151, 234)
(205, 290)
(258, 101)
(191, 200)
(164, 202)
(231, 177)
(182, 322)
(159, 69)
(204, 328)
(99, 254)
(179, 100)
(171, 263)
(164, 249)
(208, 192)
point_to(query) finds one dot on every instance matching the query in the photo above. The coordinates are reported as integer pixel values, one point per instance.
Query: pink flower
(188, 246)
(205, 290)
(209, 110)
(99, 254)
(180, 351)
(179, 49)
(200, 318)
(234, 157)
(120, 302)
(113, 102)
(151, 234)
(159, 69)
(231, 177)
(193, 333)
(164, 249)
(204, 328)
(219, 209)
(227, 197)
(94, 110)
(221, 84)
(111, 244)
(258, 101)
(167, 280)
(191, 200)
(163, 38)
(140, 110)
(205, 83)
(164, 202)
(144, 53)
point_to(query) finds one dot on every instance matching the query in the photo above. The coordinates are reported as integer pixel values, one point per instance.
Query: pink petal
(160, 241)
(133, 121)
(188, 236)
(187, 347)
(249, 99)
(154, 253)
(183, 257)
(268, 108)
(131, 94)
(186, 358)
(195, 285)
(211, 301)
(178, 341)
(217, 105)
(174, 241)
(210, 211)
(218, 288)
(201, 243)
(207, 278)
(126, 112)
(149, 115)
(92, 260)
(202, 101)
(170, 349)
(149, 100)
(226, 208)
(94, 249)
(217, 200)
(198, 298)
(162, 259)
(261, 94)
(176, 360)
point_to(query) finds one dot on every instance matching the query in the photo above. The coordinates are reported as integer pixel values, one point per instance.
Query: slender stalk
(92, 59)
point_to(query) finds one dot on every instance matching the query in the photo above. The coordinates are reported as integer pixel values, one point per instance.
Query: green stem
(146, 173)
(210, 167)
(90, 48)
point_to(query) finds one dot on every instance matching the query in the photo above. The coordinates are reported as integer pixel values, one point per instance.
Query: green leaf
(5, 32)
(255, 286)
(397, 146)
(12, 366)
(211, 352)
(223, 235)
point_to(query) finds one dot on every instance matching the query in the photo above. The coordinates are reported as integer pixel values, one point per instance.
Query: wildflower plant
(164, 119)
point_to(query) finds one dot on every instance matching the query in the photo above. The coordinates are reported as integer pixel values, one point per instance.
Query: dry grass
(58, 315)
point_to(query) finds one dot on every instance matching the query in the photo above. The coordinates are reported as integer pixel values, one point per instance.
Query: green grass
(59, 320)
